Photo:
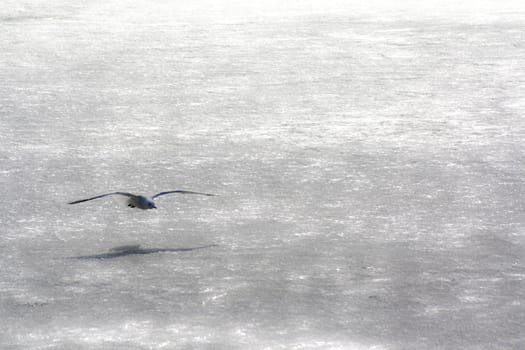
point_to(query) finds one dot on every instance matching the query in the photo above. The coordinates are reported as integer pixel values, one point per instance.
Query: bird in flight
(138, 201)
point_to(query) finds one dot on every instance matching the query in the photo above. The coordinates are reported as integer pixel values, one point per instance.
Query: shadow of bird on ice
(126, 250)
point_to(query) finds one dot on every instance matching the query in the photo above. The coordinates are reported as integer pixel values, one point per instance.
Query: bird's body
(139, 201)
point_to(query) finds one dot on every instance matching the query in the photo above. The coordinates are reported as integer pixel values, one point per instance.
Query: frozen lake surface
(369, 163)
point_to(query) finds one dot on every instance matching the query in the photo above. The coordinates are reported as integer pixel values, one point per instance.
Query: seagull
(138, 201)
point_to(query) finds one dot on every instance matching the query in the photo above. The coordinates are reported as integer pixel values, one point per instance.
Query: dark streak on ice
(137, 250)
(21, 18)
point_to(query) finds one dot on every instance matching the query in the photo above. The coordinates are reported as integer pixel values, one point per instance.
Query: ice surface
(368, 162)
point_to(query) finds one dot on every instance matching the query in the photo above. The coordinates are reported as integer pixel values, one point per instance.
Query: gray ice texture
(369, 159)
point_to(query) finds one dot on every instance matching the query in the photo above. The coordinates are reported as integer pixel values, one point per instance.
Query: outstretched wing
(103, 195)
(182, 192)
